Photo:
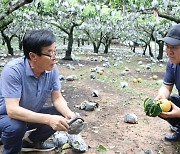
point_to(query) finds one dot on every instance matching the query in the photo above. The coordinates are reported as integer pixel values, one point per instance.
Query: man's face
(48, 57)
(173, 52)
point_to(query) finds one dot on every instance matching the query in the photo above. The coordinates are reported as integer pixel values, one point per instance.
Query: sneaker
(173, 137)
(43, 146)
(173, 128)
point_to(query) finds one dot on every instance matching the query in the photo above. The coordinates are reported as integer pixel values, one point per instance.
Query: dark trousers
(12, 131)
(174, 121)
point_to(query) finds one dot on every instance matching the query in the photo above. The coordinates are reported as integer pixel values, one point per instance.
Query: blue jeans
(175, 122)
(12, 131)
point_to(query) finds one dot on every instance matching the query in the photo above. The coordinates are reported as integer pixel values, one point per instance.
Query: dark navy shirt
(172, 75)
(18, 81)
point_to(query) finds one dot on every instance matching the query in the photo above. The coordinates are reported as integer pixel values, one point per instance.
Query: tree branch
(168, 17)
(60, 27)
(177, 20)
(14, 7)
(5, 22)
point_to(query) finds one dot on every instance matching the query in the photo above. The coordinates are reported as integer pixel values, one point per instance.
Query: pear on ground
(139, 79)
(154, 77)
(135, 80)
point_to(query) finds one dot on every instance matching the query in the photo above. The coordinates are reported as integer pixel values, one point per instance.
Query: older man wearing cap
(171, 78)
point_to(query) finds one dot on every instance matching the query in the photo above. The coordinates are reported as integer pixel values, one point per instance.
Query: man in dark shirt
(171, 78)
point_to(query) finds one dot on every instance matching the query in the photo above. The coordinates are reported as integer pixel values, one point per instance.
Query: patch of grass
(71, 88)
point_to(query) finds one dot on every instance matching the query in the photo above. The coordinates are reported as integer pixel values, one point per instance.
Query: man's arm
(164, 91)
(17, 112)
(61, 104)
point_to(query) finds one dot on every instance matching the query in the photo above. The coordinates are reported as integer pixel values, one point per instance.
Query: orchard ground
(105, 125)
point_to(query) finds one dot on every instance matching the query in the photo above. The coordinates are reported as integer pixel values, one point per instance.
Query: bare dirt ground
(105, 125)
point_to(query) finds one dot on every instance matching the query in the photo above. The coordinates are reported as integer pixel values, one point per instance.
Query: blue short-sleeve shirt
(172, 75)
(18, 81)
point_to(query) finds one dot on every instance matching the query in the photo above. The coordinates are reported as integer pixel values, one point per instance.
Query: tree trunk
(107, 46)
(69, 49)
(144, 52)
(106, 49)
(64, 40)
(96, 49)
(161, 45)
(20, 43)
(78, 41)
(8, 43)
(150, 52)
(82, 41)
(134, 49)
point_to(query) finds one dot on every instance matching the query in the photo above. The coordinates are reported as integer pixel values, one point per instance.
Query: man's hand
(158, 97)
(70, 115)
(175, 113)
(58, 123)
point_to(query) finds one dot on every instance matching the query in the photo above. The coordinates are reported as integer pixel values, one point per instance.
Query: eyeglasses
(52, 55)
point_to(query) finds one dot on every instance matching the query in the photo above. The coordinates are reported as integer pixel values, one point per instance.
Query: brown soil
(105, 125)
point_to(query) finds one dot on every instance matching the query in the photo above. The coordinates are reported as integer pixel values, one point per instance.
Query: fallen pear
(165, 105)
(154, 77)
(100, 72)
(135, 80)
(139, 79)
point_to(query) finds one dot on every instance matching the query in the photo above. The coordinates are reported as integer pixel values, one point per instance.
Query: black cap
(173, 36)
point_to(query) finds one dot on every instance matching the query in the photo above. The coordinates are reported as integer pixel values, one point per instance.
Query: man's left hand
(174, 113)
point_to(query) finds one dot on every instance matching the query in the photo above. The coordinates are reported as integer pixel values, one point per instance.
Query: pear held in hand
(165, 105)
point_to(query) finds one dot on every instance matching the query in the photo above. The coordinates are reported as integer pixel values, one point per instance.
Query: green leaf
(89, 10)
(101, 148)
(46, 2)
(152, 107)
(155, 110)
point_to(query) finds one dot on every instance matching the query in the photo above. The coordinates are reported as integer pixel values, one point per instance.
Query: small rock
(95, 93)
(140, 62)
(61, 77)
(123, 73)
(88, 106)
(93, 76)
(124, 84)
(69, 66)
(71, 78)
(137, 70)
(147, 152)
(131, 118)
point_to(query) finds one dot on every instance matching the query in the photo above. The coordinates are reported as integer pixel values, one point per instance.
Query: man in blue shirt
(171, 78)
(25, 85)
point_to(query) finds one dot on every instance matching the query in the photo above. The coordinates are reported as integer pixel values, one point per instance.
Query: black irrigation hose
(73, 120)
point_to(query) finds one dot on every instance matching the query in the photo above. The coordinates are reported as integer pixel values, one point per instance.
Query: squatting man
(171, 79)
(25, 85)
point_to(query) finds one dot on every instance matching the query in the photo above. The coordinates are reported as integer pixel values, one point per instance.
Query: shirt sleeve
(169, 77)
(56, 82)
(11, 83)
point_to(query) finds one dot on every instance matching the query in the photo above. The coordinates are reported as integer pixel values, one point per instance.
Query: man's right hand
(158, 97)
(58, 123)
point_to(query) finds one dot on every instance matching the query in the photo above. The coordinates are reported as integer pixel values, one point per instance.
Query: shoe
(174, 137)
(43, 146)
(1, 142)
(173, 128)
